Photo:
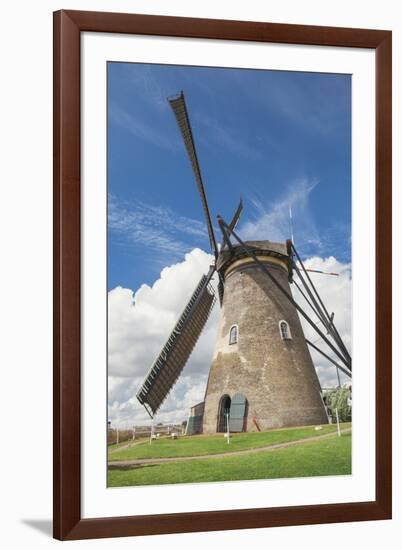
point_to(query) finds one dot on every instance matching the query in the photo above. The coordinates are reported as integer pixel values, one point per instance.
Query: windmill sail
(178, 106)
(176, 351)
(233, 223)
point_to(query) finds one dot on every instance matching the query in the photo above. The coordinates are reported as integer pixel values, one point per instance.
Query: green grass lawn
(116, 446)
(215, 444)
(326, 457)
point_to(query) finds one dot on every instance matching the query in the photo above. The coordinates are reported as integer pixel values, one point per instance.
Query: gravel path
(116, 464)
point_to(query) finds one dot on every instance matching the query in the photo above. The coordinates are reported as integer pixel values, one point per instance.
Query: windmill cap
(260, 248)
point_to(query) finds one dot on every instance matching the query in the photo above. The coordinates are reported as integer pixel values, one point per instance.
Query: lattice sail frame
(175, 353)
(178, 105)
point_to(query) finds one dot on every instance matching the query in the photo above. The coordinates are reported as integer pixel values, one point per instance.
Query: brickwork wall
(276, 376)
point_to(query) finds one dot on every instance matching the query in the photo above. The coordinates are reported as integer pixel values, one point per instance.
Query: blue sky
(275, 138)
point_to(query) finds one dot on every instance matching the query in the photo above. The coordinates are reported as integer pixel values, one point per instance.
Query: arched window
(233, 335)
(284, 330)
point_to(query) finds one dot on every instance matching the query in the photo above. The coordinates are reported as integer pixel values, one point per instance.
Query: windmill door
(238, 413)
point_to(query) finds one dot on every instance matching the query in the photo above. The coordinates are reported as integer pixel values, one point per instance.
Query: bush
(338, 399)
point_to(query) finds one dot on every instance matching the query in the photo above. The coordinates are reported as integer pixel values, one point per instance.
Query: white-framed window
(233, 334)
(284, 330)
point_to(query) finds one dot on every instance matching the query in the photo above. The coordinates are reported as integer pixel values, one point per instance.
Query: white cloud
(138, 128)
(305, 106)
(272, 221)
(157, 227)
(140, 322)
(144, 215)
(226, 137)
(336, 293)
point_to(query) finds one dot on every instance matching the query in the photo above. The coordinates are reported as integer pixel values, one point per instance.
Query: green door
(238, 413)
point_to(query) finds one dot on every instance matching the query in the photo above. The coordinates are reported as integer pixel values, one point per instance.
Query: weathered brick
(276, 376)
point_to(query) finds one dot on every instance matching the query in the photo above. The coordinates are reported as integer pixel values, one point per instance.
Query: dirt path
(116, 464)
(132, 443)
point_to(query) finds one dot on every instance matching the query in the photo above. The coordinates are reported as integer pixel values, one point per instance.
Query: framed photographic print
(222, 209)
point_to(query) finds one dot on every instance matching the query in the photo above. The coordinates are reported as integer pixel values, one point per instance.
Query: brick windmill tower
(262, 372)
(262, 375)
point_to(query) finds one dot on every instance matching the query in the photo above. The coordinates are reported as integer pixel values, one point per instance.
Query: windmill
(262, 375)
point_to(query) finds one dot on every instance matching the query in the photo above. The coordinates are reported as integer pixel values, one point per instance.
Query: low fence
(140, 432)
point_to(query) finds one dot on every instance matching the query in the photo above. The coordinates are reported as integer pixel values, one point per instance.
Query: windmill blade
(234, 221)
(339, 351)
(236, 215)
(179, 108)
(320, 307)
(175, 353)
(321, 272)
(226, 243)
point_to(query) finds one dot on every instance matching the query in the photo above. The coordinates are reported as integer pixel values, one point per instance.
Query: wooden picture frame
(68, 25)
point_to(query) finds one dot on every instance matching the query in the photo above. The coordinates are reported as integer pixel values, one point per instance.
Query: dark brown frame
(67, 481)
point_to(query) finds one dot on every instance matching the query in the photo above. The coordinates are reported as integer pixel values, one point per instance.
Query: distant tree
(338, 399)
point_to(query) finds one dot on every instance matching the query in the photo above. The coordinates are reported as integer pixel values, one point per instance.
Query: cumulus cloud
(336, 293)
(140, 322)
(125, 410)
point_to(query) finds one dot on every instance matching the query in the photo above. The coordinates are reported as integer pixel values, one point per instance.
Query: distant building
(194, 424)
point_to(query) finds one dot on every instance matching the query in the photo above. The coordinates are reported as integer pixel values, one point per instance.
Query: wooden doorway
(238, 413)
(223, 411)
